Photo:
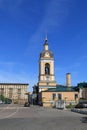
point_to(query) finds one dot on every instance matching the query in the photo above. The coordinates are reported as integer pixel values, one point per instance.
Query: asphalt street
(15, 117)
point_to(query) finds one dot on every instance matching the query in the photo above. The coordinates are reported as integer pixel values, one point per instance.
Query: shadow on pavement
(84, 119)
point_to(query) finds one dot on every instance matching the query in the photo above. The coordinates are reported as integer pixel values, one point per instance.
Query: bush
(2, 98)
(70, 106)
(6, 100)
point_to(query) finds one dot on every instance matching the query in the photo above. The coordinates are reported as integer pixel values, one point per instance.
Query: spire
(46, 43)
(46, 37)
(46, 40)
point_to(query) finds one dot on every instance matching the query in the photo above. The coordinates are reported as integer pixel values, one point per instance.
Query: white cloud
(69, 67)
(82, 58)
(8, 74)
(22, 77)
(55, 13)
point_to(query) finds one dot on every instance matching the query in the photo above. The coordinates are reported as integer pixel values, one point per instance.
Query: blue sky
(23, 25)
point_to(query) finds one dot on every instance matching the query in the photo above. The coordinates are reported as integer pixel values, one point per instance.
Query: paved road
(14, 117)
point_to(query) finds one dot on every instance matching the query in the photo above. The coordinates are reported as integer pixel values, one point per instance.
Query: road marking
(10, 115)
(4, 108)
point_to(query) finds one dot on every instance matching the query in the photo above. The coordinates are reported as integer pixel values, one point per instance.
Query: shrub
(70, 106)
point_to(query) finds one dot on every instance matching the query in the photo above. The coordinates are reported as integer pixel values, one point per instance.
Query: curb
(79, 111)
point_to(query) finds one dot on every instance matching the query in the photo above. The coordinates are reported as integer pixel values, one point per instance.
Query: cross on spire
(46, 40)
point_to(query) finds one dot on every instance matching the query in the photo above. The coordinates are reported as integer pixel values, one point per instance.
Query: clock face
(47, 54)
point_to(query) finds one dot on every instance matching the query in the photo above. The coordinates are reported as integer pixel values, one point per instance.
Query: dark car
(79, 105)
(27, 104)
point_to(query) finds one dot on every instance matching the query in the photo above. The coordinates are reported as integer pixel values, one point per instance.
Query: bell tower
(46, 77)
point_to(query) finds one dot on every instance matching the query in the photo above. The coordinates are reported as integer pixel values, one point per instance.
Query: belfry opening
(47, 69)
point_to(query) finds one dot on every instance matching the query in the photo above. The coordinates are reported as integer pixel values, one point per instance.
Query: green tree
(2, 98)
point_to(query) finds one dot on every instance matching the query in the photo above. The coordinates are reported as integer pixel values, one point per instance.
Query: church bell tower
(46, 77)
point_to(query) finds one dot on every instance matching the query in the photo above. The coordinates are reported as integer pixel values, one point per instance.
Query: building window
(76, 96)
(19, 91)
(10, 92)
(2, 91)
(53, 96)
(59, 96)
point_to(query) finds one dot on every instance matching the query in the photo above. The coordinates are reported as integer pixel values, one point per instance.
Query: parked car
(27, 104)
(81, 105)
(0, 101)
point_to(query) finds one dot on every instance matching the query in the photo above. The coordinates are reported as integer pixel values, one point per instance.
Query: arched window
(47, 68)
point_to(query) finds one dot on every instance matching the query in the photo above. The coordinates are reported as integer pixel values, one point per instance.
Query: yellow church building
(47, 91)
